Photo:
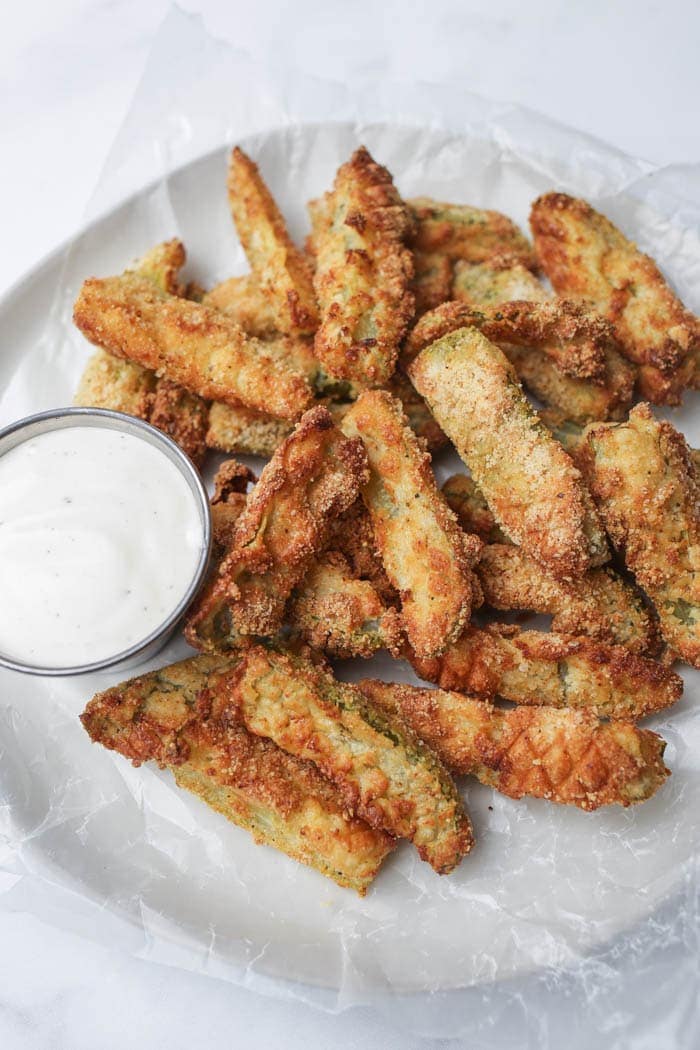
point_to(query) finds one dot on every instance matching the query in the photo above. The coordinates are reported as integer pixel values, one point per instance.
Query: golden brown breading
(194, 345)
(243, 298)
(586, 257)
(384, 773)
(462, 232)
(181, 718)
(123, 386)
(363, 270)
(432, 280)
(569, 757)
(313, 476)
(352, 534)
(110, 382)
(245, 432)
(644, 483)
(341, 615)
(534, 490)
(564, 355)
(600, 604)
(282, 270)
(473, 513)
(426, 555)
(498, 279)
(531, 667)
(230, 485)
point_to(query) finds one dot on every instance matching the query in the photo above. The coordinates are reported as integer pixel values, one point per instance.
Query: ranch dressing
(100, 537)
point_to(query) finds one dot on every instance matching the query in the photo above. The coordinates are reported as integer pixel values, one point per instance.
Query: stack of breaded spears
(401, 327)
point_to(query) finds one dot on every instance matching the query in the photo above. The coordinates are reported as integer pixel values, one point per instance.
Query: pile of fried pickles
(401, 327)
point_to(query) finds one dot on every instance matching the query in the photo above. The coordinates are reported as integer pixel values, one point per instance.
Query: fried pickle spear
(282, 270)
(564, 355)
(570, 757)
(432, 280)
(181, 718)
(586, 257)
(644, 483)
(341, 615)
(383, 772)
(426, 555)
(194, 345)
(600, 604)
(462, 232)
(239, 430)
(313, 476)
(363, 270)
(473, 513)
(555, 670)
(534, 490)
(499, 279)
(122, 386)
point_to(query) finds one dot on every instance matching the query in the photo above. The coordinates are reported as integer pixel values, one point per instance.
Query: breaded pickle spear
(122, 386)
(181, 718)
(600, 604)
(432, 280)
(426, 555)
(313, 476)
(281, 269)
(243, 431)
(557, 670)
(341, 615)
(472, 510)
(501, 278)
(194, 345)
(570, 757)
(564, 355)
(244, 299)
(363, 270)
(644, 483)
(534, 490)
(585, 256)
(384, 773)
(462, 232)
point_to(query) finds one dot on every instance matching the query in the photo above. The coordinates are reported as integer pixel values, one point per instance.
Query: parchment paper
(561, 925)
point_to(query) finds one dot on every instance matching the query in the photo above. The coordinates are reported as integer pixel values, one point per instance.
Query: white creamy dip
(100, 536)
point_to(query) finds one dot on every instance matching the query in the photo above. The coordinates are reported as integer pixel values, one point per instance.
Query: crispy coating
(194, 345)
(600, 604)
(473, 513)
(558, 670)
(313, 476)
(498, 279)
(536, 493)
(341, 615)
(644, 482)
(250, 307)
(566, 356)
(181, 718)
(570, 757)
(236, 429)
(110, 382)
(363, 271)
(230, 485)
(281, 269)
(586, 257)
(462, 232)
(432, 280)
(353, 536)
(383, 772)
(123, 386)
(426, 555)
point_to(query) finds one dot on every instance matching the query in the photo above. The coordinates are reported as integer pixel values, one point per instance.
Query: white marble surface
(626, 72)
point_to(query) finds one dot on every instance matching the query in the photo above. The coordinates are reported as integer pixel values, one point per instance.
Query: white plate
(544, 883)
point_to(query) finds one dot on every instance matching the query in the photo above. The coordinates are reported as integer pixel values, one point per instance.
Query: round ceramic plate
(544, 883)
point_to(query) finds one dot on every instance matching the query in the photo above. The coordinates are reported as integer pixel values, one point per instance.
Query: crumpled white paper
(561, 924)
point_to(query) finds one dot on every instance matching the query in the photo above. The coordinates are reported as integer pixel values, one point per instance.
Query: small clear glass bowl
(59, 418)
